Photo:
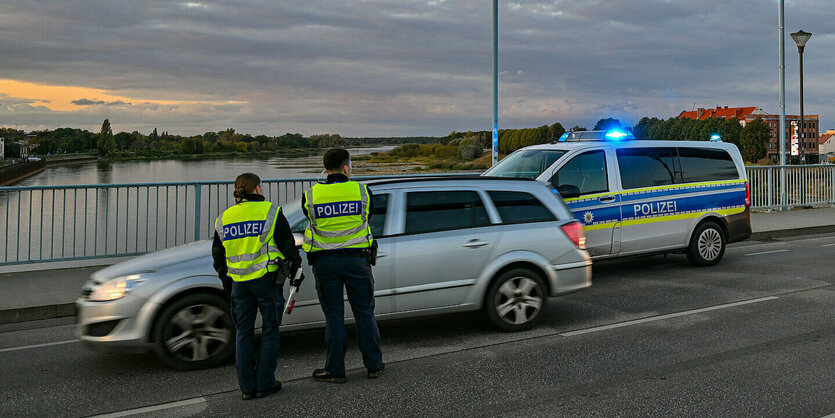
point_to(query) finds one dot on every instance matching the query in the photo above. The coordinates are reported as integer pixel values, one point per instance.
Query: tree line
(752, 139)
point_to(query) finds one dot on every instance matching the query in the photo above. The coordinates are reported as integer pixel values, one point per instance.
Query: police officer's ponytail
(245, 184)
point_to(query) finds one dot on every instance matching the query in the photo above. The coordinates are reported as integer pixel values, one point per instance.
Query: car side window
(444, 210)
(586, 171)
(519, 207)
(648, 167)
(378, 218)
(698, 164)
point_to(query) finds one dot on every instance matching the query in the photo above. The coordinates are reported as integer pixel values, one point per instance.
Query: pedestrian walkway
(30, 295)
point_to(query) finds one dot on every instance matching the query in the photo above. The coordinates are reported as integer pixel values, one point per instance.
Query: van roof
(634, 143)
(440, 178)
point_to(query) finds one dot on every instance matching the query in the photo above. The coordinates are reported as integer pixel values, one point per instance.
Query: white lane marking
(829, 245)
(769, 252)
(667, 316)
(147, 409)
(26, 347)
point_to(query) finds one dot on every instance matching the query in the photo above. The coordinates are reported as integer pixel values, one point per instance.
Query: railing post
(197, 189)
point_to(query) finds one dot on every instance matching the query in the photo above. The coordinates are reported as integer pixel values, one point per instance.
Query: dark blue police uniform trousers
(332, 272)
(248, 298)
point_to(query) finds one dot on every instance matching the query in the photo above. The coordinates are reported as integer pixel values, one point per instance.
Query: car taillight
(747, 194)
(575, 232)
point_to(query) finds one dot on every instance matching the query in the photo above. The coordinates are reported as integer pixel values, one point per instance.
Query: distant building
(826, 142)
(807, 137)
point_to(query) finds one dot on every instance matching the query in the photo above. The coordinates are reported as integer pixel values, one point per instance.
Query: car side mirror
(299, 237)
(568, 191)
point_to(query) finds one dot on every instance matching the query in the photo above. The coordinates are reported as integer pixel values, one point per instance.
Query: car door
(446, 240)
(307, 307)
(598, 206)
(651, 199)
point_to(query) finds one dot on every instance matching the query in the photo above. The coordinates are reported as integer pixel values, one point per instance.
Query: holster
(371, 255)
(283, 271)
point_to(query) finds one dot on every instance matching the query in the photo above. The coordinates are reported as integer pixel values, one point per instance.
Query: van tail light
(747, 194)
(574, 231)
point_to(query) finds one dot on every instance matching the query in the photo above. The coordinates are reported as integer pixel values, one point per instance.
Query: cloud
(88, 102)
(386, 67)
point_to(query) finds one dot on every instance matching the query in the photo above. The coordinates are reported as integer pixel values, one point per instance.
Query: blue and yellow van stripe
(659, 204)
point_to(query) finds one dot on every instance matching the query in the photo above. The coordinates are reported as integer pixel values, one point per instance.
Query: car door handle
(607, 199)
(475, 243)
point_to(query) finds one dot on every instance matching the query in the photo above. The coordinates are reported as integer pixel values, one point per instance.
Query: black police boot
(373, 374)
(321, 375)
(276, 387)
(248, 396)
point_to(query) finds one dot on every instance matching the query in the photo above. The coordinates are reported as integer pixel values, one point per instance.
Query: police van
(639, 196)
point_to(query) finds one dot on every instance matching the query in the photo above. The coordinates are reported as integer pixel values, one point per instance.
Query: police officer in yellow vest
(339, 246)
(251, 240)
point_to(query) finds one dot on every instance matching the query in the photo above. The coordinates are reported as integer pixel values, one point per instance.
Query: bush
(241, 147)
(469, 149)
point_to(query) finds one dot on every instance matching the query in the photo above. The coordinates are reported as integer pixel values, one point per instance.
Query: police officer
(252, 241)
(339, 246)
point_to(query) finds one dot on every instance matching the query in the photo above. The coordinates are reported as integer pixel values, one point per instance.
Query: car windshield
(295, 217)
(525, 163)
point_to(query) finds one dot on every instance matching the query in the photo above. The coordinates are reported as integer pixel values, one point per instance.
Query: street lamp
(800, 38)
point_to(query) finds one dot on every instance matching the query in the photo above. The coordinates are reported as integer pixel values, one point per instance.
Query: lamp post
(800, 38)
(495, 150)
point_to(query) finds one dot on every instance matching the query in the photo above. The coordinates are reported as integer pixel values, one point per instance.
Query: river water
(99, 214)
(160, 171)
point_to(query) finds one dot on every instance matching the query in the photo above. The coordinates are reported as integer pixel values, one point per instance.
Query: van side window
(519, 207)
(444, 210)
(648, 167)
(700, 164)
(587, 171)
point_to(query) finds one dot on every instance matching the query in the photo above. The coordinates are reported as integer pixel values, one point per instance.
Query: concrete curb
(782, 233)
(34, 313)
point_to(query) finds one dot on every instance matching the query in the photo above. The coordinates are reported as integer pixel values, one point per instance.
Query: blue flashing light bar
(715, 138)
(617, 135)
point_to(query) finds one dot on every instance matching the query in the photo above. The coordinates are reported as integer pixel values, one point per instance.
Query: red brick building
(807, 136)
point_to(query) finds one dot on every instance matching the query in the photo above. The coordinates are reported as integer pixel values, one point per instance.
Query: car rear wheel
(195, 332)
(707, 245)
(516, 300)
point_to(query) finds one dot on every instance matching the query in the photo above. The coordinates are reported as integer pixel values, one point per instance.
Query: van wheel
(195, 332)
(707, 245)
(516, 300)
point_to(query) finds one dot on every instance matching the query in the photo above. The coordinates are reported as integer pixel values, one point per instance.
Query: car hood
(157, 260)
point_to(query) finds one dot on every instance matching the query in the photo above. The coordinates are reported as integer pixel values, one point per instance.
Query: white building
(826, 142)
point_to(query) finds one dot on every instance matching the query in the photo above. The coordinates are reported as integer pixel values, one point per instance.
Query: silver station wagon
(447, 244)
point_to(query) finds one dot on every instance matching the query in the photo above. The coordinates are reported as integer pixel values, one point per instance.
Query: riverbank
(13, 173)
(61, 160)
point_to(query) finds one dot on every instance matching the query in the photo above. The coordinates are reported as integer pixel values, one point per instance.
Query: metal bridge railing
(61, 223)
(806, 185)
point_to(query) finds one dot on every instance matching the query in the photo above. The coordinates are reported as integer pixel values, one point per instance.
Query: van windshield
(524, 163)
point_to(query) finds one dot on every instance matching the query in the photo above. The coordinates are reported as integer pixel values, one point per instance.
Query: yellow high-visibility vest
(338, 214)
(247, 232)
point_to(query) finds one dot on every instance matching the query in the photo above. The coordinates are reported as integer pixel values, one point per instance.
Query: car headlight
(116, 288)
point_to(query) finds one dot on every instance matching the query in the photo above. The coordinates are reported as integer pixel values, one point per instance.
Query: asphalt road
(753, 336)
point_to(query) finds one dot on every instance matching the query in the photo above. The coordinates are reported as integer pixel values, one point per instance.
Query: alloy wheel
(197, 332)
(519, 300)
(710, 244)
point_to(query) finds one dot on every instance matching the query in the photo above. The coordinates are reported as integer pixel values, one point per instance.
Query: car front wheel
(516, 300)
(195, 332)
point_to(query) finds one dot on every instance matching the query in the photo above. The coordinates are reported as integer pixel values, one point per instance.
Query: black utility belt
(346, 252)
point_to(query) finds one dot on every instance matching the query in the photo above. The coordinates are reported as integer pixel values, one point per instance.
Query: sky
(399, 67)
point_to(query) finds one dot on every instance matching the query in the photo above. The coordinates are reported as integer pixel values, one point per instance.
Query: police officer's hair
(245, 184)
(335, 159)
